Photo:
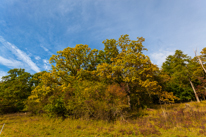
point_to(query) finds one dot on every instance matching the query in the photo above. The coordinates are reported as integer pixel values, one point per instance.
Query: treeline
(103, 84)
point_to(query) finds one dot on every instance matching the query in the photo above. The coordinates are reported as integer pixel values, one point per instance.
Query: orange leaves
(116, 91)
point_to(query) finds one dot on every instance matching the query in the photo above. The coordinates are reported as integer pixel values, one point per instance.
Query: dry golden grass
(177, 120)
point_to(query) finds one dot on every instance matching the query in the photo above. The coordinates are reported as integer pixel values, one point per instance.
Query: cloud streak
(24, 57)
(10, 63)
(20, 54)
(167, 25)
(45, 49)
(37, 58)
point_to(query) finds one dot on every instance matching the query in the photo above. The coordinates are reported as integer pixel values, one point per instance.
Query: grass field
(177, 120)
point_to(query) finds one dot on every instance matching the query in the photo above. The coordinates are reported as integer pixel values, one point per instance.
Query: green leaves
(14, 90)
(129, 66)
(178, 67)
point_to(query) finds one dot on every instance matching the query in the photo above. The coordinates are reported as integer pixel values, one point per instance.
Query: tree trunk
(194, 91)
(200, 62)
(128, 96)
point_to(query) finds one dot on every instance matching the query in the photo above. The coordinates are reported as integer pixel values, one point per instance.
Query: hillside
(176, 120)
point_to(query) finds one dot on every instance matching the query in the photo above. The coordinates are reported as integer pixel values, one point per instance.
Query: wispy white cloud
(20, 54)
(24, 57)
(37, 58)
(46, 64)
(10, 63)
(160, 56)
(45, 49)
(179, 24)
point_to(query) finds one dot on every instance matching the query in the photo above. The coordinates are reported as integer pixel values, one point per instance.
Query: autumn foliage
(106, 84)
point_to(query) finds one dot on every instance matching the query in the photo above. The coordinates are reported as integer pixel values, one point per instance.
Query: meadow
(174, 120)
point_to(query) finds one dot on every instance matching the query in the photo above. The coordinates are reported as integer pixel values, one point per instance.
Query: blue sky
(32, 30)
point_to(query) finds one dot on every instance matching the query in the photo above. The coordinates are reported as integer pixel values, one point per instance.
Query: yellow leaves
(168, 97)
(127, 79)
(150, 84)
(109, 76)
(112, 59)
(130, 65)
(149, 76)
(164, 77)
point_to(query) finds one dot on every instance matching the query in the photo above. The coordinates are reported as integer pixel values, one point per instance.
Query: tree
(99, 84)
(180, 76)
(14, 90)
(35, 79)
(203, 58)
(68, 67)
(198, 73)
(132, 68)
(75, 60)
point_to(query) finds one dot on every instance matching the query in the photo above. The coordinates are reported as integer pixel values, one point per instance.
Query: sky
(31, 31)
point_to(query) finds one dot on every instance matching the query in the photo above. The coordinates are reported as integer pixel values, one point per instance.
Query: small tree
(14, 90)
(180, 82)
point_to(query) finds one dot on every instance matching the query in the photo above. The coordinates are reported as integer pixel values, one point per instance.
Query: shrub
(97, 100)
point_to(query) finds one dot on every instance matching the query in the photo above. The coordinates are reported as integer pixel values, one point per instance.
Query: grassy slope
(168, 120)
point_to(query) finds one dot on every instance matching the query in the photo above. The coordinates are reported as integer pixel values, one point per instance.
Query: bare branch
(199, 60)
(194, 91)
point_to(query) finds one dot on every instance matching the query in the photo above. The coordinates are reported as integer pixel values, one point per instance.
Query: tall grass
(177, 120)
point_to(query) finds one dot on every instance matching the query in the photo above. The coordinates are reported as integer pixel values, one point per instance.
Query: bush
(83, 99)
(56, 108)
(97, 100)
